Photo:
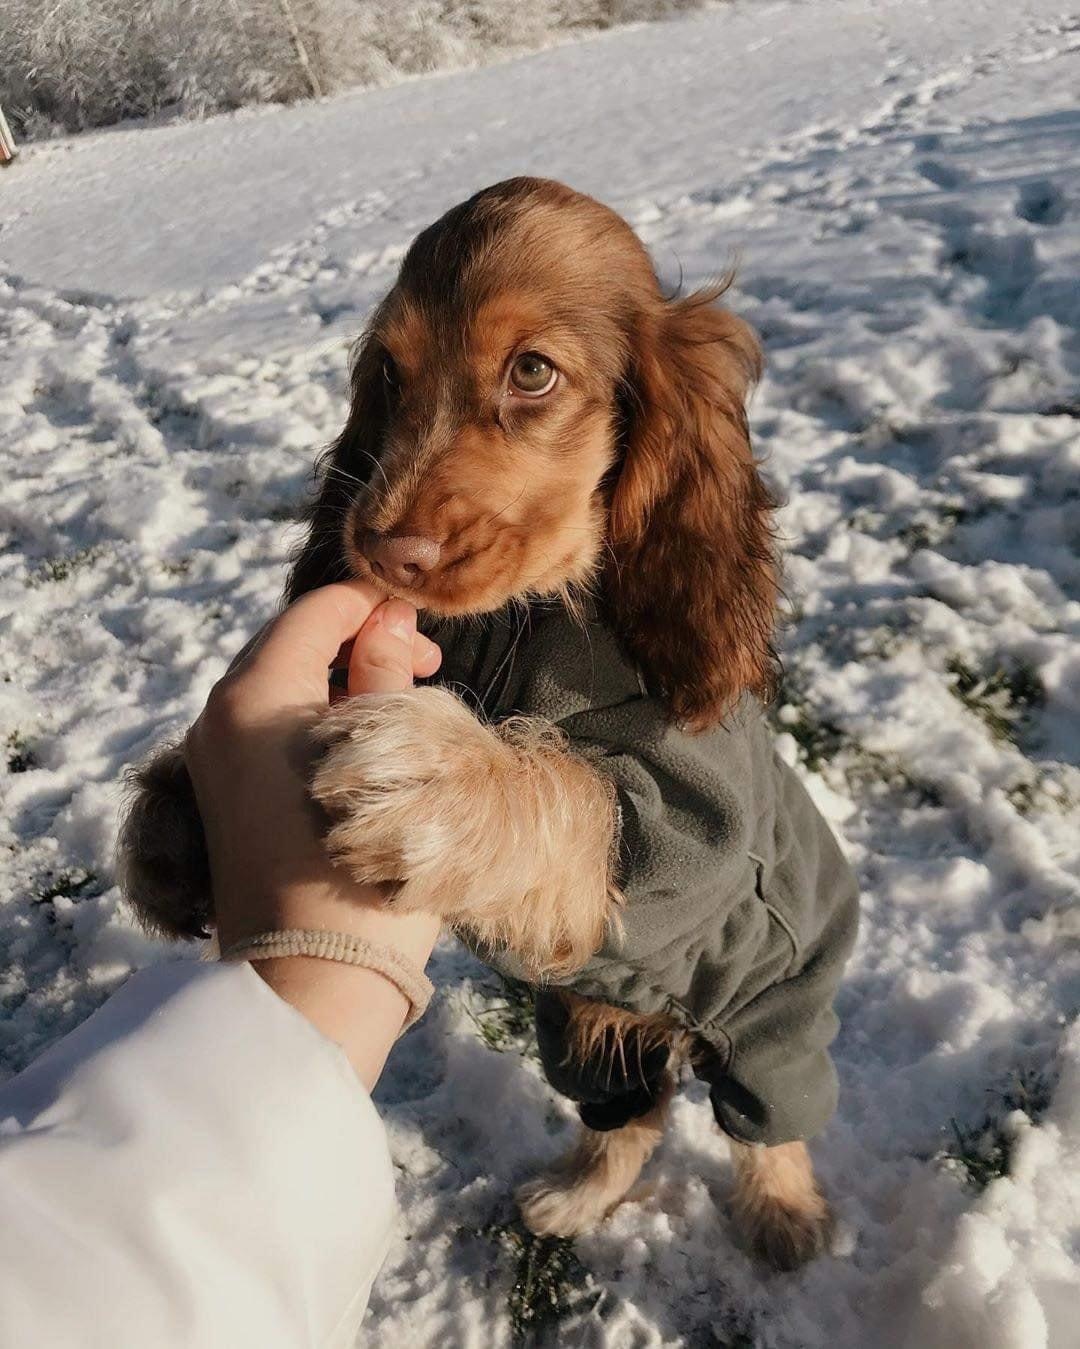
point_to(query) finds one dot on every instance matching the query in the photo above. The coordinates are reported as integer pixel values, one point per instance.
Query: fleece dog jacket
(741, 909)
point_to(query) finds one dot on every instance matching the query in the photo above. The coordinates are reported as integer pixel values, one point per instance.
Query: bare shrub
(66, 65)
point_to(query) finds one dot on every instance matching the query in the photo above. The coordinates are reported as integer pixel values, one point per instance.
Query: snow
(901, 183)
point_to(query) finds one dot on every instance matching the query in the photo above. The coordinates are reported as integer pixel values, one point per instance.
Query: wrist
(330, 906)
(359, 1009)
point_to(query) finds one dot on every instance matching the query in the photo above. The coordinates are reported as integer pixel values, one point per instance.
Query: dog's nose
(402, 559)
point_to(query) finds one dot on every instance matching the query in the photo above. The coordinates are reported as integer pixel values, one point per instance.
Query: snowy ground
(902, 183)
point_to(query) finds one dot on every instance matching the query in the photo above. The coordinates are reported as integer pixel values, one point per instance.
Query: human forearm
(360, 1009)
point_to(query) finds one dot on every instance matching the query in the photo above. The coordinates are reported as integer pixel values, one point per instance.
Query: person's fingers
(382, 655)
(290, 657)
(426, 656)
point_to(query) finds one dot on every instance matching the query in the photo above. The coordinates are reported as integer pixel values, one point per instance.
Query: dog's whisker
(377, 462)
(351, 479)
(509, 504)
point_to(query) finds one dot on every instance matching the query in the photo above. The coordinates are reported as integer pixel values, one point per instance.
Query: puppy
(550, 458)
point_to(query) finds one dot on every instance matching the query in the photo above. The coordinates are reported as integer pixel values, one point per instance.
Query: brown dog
(533, 420)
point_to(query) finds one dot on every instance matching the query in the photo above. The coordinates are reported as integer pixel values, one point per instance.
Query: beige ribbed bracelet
(412, 983)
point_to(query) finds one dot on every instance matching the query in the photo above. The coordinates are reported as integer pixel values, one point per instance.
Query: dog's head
(529, 414)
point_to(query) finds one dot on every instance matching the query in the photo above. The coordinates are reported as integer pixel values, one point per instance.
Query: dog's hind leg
(778, 1206)
(582, 1189)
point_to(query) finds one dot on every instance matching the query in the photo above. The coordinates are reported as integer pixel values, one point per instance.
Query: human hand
(249, 756)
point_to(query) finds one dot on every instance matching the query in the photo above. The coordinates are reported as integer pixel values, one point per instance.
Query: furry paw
(782, 1215)
(161, 860)
(579, 1192)
(400, 781)
(556, 1205)
(785, 1237)
(499, 830)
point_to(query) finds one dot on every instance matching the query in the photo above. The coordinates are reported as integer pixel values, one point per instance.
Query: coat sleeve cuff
(203, 1166)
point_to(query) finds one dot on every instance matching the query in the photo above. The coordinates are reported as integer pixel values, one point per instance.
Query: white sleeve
(194, 1166)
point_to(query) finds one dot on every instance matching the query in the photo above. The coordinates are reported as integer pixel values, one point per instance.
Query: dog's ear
(692, 578)
(340, 472)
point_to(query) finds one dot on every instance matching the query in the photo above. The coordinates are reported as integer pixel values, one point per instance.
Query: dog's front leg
(498, 829)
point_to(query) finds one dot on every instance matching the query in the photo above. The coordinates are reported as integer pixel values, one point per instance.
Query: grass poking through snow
(549, 1281)
(20, 754)
(504, 1022)
(75, 884)
(1002, 699)
(819, 740)
(61, 568)
(982, 1153)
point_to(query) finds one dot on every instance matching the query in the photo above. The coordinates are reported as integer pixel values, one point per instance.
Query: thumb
(382, 655)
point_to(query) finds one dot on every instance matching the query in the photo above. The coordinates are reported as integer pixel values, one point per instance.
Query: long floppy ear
(693, 578)
(340, 473)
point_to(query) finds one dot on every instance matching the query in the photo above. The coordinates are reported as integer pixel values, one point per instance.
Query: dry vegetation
(71, 64)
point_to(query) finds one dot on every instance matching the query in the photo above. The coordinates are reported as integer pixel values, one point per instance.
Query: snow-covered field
(901, 182)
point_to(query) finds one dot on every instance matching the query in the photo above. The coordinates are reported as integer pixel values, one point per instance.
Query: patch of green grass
(977, 1155)
(20, 755)
(929, 529)
(505, 1022)
(549, 1281)
(1040, 793)
(866, 521)
(982, 1153)
(868, 768)
(1030, 1090)
(76, 884)
(60, 568)
(878, 643)
(1002, 699)
(819, 740)
(822, 744)
(178, 568)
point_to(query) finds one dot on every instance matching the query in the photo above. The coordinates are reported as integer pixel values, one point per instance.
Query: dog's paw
(560, 1205)
(780, 1212)
(161, 860)
(785, 1237)
(401, 782)
(499, 830)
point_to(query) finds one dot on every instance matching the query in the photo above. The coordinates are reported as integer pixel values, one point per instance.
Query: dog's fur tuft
(499, 829)
(777, 1205)
(161, 860)
(597, 1030)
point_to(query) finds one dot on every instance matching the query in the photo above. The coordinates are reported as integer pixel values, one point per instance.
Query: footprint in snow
(1041, 203)
(941, 175)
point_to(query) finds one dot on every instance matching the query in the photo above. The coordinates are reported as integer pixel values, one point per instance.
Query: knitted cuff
(412, 983)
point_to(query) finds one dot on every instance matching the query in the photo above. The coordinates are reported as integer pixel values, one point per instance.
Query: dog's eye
(533, 374)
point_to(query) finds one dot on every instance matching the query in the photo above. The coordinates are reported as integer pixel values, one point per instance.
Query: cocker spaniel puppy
(550, 458)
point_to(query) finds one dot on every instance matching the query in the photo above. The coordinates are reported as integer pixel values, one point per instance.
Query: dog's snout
(401, 559)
